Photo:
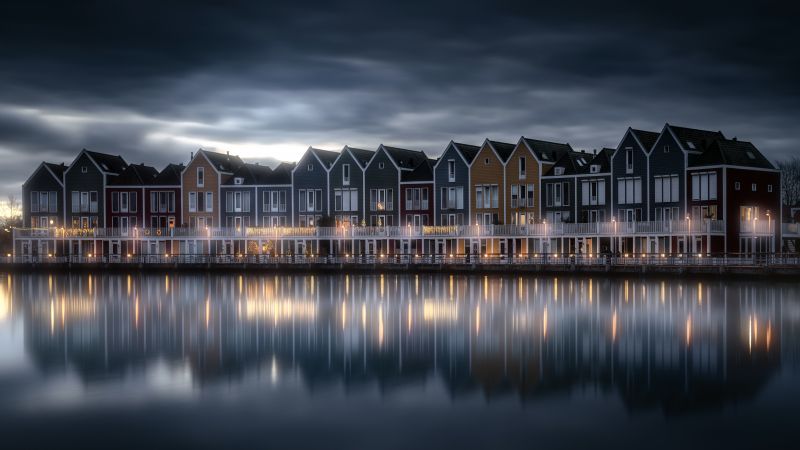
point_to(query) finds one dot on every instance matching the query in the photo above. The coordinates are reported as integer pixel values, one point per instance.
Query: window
(769, 188)
(666, 149)
(593, 192)
(132, 204)
(84, 169)
(486, 161)
(192, 201)
(451, 170)
(566, 193)
(114, 202)
(514, 195)
(310, 167)
(93, 204)
(594, 168)
(704, 186)
(629, 190)
(201, 176)
(629, 160)
(737, 186)
(301, 195)
(666, 188)
(209, 202)
(123, 202)
(35, 202)
(753, 187)
(531, 197)
(381, 165)
(558, 171)
(346, 174)
(521, 167)
(238, 180)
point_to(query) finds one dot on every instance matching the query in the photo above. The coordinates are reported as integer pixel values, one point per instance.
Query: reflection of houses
(682, 346)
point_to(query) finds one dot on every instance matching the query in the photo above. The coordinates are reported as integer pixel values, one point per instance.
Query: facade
(346, 194)
(201, 181)
(162, 197)
(275, 209)
(85, 182)
(668, 160)
(239, 197)
(451, 179)
(593, 189)
(629, 175)
(417, 195)
(487, 179)
(125, 198)
(559, 185)
(733, 181)
(310, 187)
(382, 183)
(43, 195)
(531, 159)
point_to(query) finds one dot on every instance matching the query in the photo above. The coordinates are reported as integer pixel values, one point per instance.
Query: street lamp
(614, 236)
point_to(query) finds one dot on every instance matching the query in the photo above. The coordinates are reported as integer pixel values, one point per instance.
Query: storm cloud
(153, 81)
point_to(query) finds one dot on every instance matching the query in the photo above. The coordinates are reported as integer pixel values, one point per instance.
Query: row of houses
(675, 175)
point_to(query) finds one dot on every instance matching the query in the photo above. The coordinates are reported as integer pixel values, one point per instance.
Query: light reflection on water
(607, 351)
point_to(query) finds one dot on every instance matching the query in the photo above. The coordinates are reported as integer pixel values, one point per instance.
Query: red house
(732, 181)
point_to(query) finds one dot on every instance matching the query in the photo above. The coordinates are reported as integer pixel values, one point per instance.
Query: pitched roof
(326, 156)
(223, 162)
(108, 163)
(693, 139)
(282, 174)
(135, 175)
(647, 138)
(732, 152)
(503, 149)
(467, 151)
(405, 159)
(362, 156)
(423, 172)
(250, 174)
(572, 162)
(547, 151)
(57, 169)
(603, 159)
(169, 176)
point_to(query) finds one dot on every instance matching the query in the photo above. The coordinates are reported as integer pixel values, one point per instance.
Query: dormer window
(558, 171)
(690, 144)
(238, 180)
(751, 155)
(594, 168)
(84, 169)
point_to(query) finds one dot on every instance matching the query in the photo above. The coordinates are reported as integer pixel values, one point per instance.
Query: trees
(790, 180)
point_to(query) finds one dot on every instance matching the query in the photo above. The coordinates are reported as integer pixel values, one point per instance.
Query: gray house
(275, 194)
(239, 198)
(310, 187)
(593, 189)
(42, 197)
(85, 181)
(559, 186)
(629, 175)
(346, 185)
(451, 184)
(382, 183)
(668, 161)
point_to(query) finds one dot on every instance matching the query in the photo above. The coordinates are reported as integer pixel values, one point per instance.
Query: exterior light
(50, 255)
(626, 255)
(129, 255)
(662, 255)
(451, 255)
(699, 255)
(51, 221)
(644, 255)
(90, 255)
(9, 255)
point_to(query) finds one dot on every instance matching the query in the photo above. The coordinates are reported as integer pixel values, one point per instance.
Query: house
(531, 159)
(560, 187)
(276, 197)
(239, 196)
(310, 187)
(42, 197)
(668, 160)
(85, 182)
(487, 182)
(382, 178)
(593, 189)
(629, 176)
(125, 198)
(452, 184)
(201, 181)
(347, 186)
(733, 181)
(163, 197)
(417, 195)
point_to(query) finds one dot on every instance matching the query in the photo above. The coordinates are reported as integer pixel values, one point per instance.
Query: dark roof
(223, 162)
(573, 163)
(647, 138)
(423, 172)
(169, 176)
(467, 151)
(135, 175)
(405, 159)
(547, 151)
(326, 156)
(57, 169)
(503, 149)
(732, 152)
(693, 139)
(108, 163)
(282, 174)
(603, 159)
(250, 174)
(362, 156)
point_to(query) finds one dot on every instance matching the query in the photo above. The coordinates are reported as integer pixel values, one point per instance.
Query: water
(396, 361)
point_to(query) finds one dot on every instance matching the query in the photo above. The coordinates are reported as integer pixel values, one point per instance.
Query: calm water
(396, 361)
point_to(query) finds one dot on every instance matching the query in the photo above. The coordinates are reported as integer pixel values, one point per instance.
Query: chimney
(594, 152)
(734, 138)
(191, 156)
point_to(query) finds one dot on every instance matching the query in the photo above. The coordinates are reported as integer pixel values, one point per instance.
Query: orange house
(200, 187)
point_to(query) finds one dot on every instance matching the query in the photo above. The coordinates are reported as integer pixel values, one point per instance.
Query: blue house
(310, 187)
(452, 184)
(629, 174)
(382, 183)
(346, 185)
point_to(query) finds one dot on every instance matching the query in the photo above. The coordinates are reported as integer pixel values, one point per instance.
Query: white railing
(540, 230)
(756, 227)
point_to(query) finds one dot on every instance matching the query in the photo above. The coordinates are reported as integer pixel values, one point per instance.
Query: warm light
(699, 255)
(129, 255)
(167, 255)
(662, 255)
(626, 255)
(90, 255)
(49, 255)
(451, 255)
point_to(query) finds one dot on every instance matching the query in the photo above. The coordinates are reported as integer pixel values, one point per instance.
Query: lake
(396, 361)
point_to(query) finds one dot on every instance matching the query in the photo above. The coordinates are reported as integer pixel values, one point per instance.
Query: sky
(155, 81)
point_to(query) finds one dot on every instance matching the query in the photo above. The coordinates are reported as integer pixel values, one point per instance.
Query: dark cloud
(155, 80)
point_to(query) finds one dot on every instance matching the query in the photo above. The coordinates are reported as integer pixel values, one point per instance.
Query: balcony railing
(538, 230)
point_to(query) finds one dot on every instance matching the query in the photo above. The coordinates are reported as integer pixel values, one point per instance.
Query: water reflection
(676, 346)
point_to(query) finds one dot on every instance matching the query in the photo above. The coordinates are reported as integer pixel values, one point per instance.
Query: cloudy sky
(153, 81)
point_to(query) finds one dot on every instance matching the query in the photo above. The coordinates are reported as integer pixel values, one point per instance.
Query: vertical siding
(487, 169)
(92, 180)
(302, 178)
(386, 178)
(210, 184)
(442, 179)
(356, 182)
(532, 176)
(42, 180)
(671, 163)
(640, 168)
(224, 204)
